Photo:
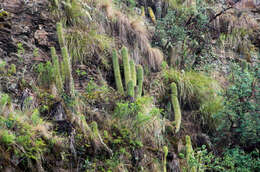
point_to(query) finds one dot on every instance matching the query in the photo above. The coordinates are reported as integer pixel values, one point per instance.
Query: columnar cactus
(165, 150)
(69, 83)
(56, 66)
(189, 153)
(60, 34)
(140, 79)
(133, 71)
(117, 74)
(176, 107)
(143, 11)
(130, 89)
(151, 13)
(127, 73)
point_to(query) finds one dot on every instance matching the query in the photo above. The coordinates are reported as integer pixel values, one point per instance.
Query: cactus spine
(117, 75)
(56, 66)
(69, 83)
(165, 150)
(133, 71)
(127, 73)
(60, 34)
(130, 89)
(151, 13)
(189, 153)
(176, 107)
(140, 78)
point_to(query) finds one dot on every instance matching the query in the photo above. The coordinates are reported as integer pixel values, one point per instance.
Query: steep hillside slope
(131, 85)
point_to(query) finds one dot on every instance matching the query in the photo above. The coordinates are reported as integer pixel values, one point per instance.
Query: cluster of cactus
(189, 153)
(62, 72)
(176, 107)
(132, 79)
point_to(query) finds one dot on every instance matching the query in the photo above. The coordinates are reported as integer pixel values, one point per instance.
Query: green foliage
(3, 13)
(140, 79)
(2, 65)
(142, 118)
(231, 160)
(176, 107)
(6, 137)
(187, 28)
(45, 74)
(21, 135)
(239, 118)
(20, 51)
(36, 52)
(117, 74)
(127, 72)
(4, 101)
(12, 69)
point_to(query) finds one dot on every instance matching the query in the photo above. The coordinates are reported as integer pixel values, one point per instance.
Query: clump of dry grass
(132, 32)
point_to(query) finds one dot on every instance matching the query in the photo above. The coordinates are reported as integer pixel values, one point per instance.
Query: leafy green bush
(231, 160)
(240, 123)
(185, 28)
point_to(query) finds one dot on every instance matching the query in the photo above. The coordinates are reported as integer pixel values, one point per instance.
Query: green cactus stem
(56, 66)
(117, 74)
(189, 153)
(60, 34)
(165, 150)
(127, 73)
(69, 83)
(176, 107)
(140, 79)
(133, 71)
(130, 89)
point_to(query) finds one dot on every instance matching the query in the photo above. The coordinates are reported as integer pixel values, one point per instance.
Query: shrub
(186, 27)
(239, 118)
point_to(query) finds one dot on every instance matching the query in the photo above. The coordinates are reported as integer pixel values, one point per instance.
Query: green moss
(127, 72)
(176, 107)
(140, 79)
(117, 74)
